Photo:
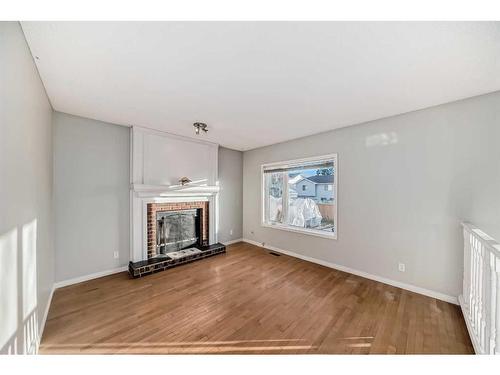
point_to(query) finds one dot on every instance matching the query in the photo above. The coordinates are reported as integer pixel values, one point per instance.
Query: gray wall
(231, 194)
(91, 182)
(26, 224)
(405, 184)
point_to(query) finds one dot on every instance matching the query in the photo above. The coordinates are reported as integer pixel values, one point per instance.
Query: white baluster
(493, 303)
(497, 305)
(480, 295)
(481, 289)
(466, 281)
(475, 293)
(472, 278)
(484, 308)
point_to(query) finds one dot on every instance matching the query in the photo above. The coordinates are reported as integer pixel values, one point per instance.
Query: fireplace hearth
(177, 233)
(147, 267)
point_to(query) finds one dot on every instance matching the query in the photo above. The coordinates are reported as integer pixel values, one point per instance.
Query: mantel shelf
(166, 189)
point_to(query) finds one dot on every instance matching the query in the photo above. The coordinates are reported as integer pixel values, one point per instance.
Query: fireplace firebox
(177, 230)
(176, 226)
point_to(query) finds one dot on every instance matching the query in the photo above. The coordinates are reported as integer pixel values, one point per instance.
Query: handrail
(480, 299)
(487, 240)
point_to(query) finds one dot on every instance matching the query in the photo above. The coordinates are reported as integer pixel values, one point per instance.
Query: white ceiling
(258, 83)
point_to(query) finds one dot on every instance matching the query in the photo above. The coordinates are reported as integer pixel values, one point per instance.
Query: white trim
(227, 243)
(487, 240)
(398, 284)
(289, 228)
(172, 135)
(44, 320)
(300, 161)
(308, 231)
(165, 190)
(76, 280)
(472, 336)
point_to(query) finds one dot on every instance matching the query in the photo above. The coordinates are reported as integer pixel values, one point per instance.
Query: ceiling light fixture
(200, 126)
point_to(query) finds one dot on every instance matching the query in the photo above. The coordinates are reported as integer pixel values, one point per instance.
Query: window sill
(310, 232)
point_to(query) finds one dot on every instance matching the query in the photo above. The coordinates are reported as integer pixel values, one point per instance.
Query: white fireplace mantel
(142, 190)
(158, 161)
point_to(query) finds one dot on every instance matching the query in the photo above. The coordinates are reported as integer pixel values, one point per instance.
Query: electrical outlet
(116, 254)
(231, 232)
(401, 267)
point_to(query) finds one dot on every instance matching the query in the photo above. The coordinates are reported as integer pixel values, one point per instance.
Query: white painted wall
(91, 185)
(231, 194)
(405, 183)
(161, 158)
(26, 219)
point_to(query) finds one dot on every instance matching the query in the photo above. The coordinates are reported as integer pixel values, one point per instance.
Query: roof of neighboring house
(321, 179)
(295, 179)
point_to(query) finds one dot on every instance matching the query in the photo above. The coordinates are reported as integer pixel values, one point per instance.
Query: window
(301, 195)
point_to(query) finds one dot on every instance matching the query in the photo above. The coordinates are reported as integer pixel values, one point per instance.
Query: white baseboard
(398, 284)
(96, 275)
(44, 320)
(227, 243)
(473, 338)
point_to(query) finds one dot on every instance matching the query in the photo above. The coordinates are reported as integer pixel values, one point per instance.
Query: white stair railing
(480, 300)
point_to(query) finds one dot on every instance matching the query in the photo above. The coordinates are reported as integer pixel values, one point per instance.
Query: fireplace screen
(176, 230)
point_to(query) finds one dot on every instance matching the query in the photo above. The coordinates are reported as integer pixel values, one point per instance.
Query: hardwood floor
(249, 301)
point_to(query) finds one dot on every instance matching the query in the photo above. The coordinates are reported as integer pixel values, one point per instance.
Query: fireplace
(177, 230)
(177, 233)
(158, 163)
(176, 226)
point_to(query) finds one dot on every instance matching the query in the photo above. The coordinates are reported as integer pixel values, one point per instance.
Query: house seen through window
(300, 195)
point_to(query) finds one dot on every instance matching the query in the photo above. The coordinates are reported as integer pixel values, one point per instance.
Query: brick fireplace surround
(153, 208)
(155, 264)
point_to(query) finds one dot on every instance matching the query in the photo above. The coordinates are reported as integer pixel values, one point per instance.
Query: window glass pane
(302, 196)
(274, 193)
(310, 199)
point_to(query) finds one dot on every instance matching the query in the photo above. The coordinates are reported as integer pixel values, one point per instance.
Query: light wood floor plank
(251, 302)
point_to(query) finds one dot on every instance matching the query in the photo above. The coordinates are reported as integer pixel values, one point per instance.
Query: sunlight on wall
(29, 268)
(30, 332)
(381, 139)
(30, 321)
(8, 292)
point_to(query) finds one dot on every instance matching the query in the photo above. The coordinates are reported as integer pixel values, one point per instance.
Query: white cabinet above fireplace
(161, 159)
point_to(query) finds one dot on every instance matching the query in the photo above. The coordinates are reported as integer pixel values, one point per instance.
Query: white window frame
(308, 231)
